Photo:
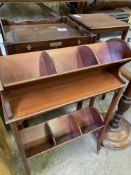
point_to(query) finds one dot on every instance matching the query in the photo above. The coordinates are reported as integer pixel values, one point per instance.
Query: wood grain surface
(30, 100)
(33, 65)
(98, 21)
(26, 36)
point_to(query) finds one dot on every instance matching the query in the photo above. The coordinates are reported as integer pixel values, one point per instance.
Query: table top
(39, 32)
(98, 21)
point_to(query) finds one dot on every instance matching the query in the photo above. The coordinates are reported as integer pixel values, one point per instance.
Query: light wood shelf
(27, 101)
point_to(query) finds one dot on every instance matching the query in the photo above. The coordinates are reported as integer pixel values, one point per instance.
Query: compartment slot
(88, 58)
(80, 57)
(64, 129)
(89, 119)
(112, 50)
(37, 139)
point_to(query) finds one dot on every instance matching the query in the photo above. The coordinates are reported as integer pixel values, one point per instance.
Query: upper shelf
(36, 65)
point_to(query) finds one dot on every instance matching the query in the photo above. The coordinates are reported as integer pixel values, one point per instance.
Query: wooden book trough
(37, 82)
(44, 34)
(35, 66)
(60, 130)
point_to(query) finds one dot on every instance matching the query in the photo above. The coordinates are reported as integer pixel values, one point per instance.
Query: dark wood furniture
(118, 135)
(101, 23)
(44, 34)
(82, 76)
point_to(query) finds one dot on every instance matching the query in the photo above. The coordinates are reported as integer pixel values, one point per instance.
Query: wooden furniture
(101, 23)
(82, 76)
(4, 141)
(5, 168)
(44, 34)
(118, 135)
(5, 151)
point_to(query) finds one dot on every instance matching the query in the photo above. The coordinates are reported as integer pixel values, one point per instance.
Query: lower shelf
(46, 136)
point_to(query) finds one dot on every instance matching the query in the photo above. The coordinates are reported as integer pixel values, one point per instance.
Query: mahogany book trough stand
(37, 82)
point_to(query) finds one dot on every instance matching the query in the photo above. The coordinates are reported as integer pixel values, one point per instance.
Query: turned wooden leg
(119, 134)
(108, 118)
(14, 127)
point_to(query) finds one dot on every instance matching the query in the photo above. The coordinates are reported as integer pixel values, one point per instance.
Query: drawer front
(45, 45)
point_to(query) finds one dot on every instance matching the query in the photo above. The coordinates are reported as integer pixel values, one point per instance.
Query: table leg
(19, 143)
(124, 34)
(118, 135)
(98, 36)
(79, 105)
(92, 101)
